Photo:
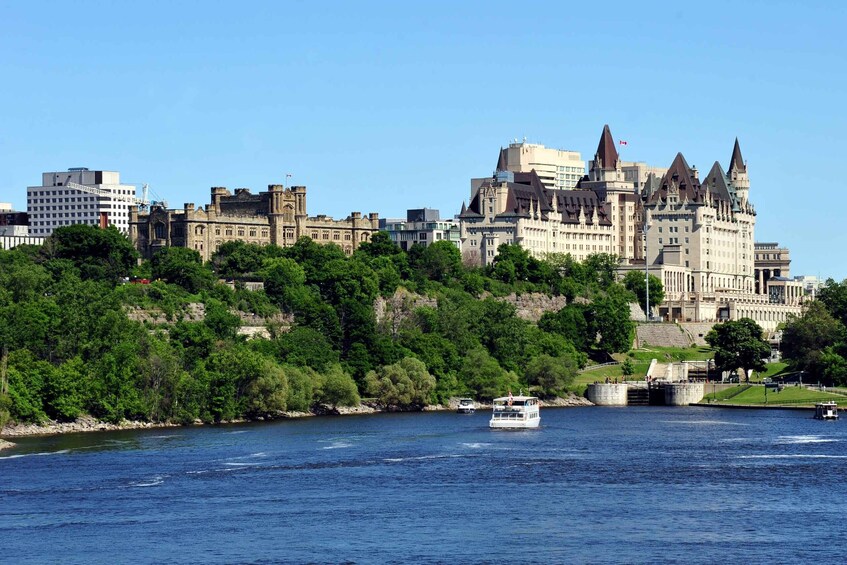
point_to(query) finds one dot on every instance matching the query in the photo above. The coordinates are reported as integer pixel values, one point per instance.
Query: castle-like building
(696, 235)
(277, 216)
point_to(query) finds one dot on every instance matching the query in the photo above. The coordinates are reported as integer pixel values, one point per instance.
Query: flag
(622, 142)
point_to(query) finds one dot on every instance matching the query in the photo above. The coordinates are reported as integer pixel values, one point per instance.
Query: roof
(501, 161)
(607, 155)
(736, 162)
(720, 188)
(679, 178)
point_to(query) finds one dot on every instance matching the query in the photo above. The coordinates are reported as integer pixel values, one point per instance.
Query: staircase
(637, 395)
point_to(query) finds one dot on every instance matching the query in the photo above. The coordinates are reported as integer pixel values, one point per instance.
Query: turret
(738, 174)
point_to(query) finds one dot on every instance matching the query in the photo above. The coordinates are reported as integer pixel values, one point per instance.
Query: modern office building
(557, 168)
(13, 223)
(422, 226)
(79, 196)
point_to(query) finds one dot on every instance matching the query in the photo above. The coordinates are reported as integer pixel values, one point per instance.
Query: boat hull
(514, 425)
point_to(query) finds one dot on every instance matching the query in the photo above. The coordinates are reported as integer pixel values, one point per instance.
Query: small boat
(515, 413)
(826, 411)
(466, 406)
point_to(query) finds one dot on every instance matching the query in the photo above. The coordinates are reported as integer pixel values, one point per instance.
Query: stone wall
(683, 394)
(532, 306)
(607, 394)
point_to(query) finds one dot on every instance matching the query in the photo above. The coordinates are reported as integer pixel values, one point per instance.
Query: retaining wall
(603, 394)
(683, 394)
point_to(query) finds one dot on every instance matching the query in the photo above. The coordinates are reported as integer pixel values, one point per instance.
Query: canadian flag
(622, 142)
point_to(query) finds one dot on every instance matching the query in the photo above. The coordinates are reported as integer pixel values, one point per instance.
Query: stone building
(277, 216)
(518, 208)
(700, 243)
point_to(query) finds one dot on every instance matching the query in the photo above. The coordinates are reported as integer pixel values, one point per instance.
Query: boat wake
(793, 456)
(154, 482)
(39, 454)
(791, 440)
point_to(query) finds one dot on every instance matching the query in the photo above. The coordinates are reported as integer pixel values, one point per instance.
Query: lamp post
(647, 266)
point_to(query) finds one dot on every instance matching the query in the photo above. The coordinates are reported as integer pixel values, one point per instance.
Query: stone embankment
(89, 424)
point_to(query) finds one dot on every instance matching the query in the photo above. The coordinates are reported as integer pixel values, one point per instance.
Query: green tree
(738, 344)
(306, 347)
(104, 254)
(608, 317)
(337, 388)
(484, 377)
(833, 295)
(237, 258)
(440, 261)
(401, 385)
(552, 374)
(807, 338)
(634, 282)
(182, 266)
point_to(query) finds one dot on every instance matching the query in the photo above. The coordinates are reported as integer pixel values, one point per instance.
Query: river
(592, 485)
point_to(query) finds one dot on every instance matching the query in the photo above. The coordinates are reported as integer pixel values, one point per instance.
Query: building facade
(13, 223)
(100, 200)
(517, 208)
(700, 241)
(277, 216)
(422, 226)
(557, 168)
(697, 235)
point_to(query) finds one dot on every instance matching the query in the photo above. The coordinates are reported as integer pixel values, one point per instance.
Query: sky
(385, 106)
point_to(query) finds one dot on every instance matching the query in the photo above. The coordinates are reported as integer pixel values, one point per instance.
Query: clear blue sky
(380, 107)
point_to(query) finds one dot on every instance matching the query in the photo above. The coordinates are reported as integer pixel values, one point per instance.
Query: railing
(592, 367)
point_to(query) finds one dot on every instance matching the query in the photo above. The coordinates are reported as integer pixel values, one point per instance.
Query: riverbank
(85, 424)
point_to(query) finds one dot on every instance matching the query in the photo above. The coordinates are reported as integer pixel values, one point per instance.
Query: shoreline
(86, 424)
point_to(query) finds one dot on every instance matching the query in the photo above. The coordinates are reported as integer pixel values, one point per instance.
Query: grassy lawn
(790, 396)
(669, 354)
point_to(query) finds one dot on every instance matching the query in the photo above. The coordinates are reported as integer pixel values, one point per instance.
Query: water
(598, 485)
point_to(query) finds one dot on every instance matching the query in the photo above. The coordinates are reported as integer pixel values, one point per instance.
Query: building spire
(501, 161)
(736, 162)
(607, 155)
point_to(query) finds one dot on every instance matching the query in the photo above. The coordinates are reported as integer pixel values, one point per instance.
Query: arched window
(199, 230)
(159, 228)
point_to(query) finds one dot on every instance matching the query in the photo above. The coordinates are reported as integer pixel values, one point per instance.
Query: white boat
(515, 413)
(466, 406)
(826, 411)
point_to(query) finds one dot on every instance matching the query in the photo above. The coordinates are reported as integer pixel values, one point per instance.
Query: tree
(834, 296)
(337, 388)
(183, 267)
(634, 282)
(401, 385)
(608, 316)
(553, 374)
(571, 322)
(236, 258)
(806, 338)
(738, 345)
(483, 376)
(98, 253)
(440, 261)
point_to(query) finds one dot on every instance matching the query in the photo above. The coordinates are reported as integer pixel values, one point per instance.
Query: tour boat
(515, 413)
(466, 406)
(826, 411)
